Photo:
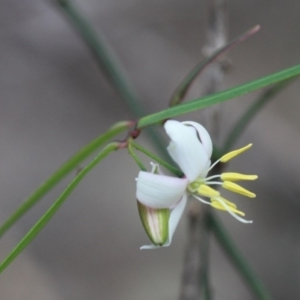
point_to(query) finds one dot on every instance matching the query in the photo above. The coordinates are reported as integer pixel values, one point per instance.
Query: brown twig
(214, 76)
(194, 265)
(190, 288)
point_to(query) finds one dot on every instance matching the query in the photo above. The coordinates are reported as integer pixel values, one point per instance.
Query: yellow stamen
(237, 176)
(237, 189)
(218, 205)
(229, 203)
(225, 158)
(207, 191)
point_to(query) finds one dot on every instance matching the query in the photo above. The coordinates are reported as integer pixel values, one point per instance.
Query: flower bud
(155, 222)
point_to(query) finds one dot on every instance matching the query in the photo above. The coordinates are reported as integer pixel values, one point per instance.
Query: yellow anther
(228, 185)
(237, 176)
(216, 204)
(207, 191)
(229, 203)
(225, 158)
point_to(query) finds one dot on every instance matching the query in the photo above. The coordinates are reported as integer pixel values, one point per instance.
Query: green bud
(155, 222)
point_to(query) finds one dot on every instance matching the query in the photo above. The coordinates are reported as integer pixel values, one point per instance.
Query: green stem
(174, 170)
(62, 172)
(103, 55)
(33, 232)
(184, 86)
(135, 157)
(248, 116)
(110, 66)
(238, 260)
(218, 97)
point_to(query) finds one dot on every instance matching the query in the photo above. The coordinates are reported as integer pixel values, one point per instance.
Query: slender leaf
(247, 117)
(42, 222)
(238, 260)
(111, 67)
(63, 171)
(218, 97)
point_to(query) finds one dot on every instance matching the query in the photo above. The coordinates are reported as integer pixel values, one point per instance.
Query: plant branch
(220, 97)
(43, 221)
(111, 67)
(193, 263)
(198, 247)
(212, 56)
(62, 172)
(135, 157)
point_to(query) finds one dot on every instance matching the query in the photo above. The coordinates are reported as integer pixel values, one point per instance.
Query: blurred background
(54, 100)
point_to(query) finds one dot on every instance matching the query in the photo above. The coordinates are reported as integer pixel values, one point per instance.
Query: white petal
(175, 217)
(204, 136)
(159, 191)
(147, 247)
(205, 171)
(186, 149)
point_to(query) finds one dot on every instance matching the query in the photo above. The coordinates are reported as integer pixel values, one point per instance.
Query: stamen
(237, 189)
(237, 176)
(227, 208)
(207, 191)
(230, 211)
(212, 177)
(225, 158)
(214, 164)
(201, 200)
(229, 203)
(216, 204)
(213, 182)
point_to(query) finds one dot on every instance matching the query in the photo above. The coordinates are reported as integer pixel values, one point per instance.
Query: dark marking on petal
(197, 133)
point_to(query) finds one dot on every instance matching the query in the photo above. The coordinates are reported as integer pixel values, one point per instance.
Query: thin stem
(240, 126)
(174, 170)
(238, 260)
(199, 69)
(42, 222)
(135, 157)
(110, 66)
(104, 56)
(193, 263)
(62, 172)
(204, 250)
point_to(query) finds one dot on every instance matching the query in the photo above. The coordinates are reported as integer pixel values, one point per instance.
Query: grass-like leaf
(219, 97)
(33, 232)
(238, 260)
(239, 127)
(111, 68)
(63, 171)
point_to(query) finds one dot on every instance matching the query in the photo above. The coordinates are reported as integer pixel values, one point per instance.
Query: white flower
(160, 214)
(162, 199)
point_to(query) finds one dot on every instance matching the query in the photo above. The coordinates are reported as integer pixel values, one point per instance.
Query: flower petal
(159, 191)
(175, 216)
(204, 136)
(186, 149)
